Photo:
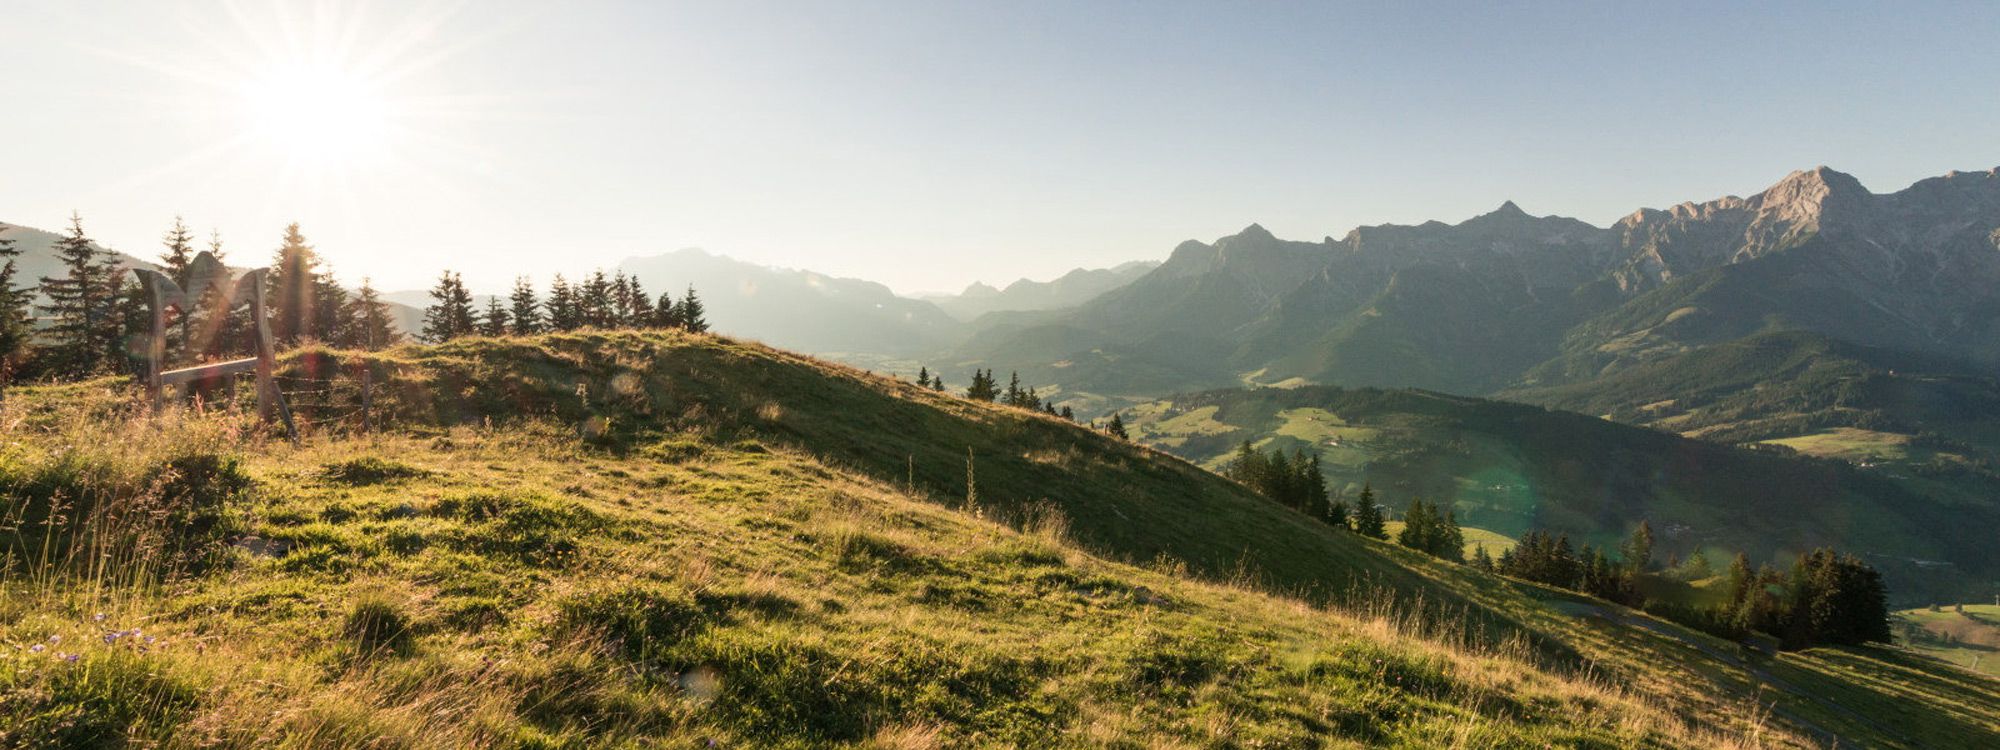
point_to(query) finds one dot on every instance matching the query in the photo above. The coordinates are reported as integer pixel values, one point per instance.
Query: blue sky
(930, 144)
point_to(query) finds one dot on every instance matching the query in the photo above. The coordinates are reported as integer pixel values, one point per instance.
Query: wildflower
(99, 617)
(36, 649)
(55, 639)
(71, 658)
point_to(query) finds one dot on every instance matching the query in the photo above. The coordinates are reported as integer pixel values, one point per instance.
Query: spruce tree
(937, 383)
(1482, 559)
(14, 325)
(177, 255)
(329, 308)
(1638, 550)
(643, 315)
(291, 287)
(1339, 516)
(923, 377)
(1117, 427)
(450, 314)
(623, 311)
(983, 388)
(1368, 519)
(594, 301)
(81, 305)
(666, 314)
(368, 317)
(564, 314)
(524, 312)
(494, 322)
(1066, 414)
(692, 315)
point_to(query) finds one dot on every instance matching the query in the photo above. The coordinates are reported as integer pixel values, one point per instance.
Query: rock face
(1475, 306)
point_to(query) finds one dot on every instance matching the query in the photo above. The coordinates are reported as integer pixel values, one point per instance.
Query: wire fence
(330, 399)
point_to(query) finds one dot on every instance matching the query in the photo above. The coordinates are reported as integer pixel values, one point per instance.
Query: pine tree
(1419, 527)
(81, 304)
(494, 322)
(623, 311)
(1339, 516)
(132, 324)
(666, 314)
(1368, 519)
(643, 315)
(174, 261)
(1013, 396)
(1482, 559)
(692, 315)
(14, 325)
(291, 287)
(937, 383)
(594, 301)
(450, 314)
(524, 312)
(368, 318)
(983, 388)
(564, 313)
(1451, 538)
(1117, 427)
(1638, 550)
(329, 307)
(923, 377)
(1065, 413)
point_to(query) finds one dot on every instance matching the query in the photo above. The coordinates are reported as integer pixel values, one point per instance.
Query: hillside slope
(1512, 468)
(600, 539)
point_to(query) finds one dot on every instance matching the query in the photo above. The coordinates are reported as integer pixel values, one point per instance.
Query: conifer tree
(1368, 519)
(692, 314)
(983, 388)
(1067, 414)
(329, 307)
(1638, 550)
(524, 312)
(564, 312)
(81, 305)
(667, 314)
(923, 377)
(1117, 427)
(291, 287)
(623, 311)
(643, 315)
(1013, 396)
(131, 326)
(177, 255)
(1482, 559)
(368, 318)
(937, 383)
(494, 323)
(594, 301)
(14, 325)
(1339, 516)
(450, 314)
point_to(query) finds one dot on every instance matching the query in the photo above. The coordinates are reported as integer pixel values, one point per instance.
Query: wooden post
(367, 394)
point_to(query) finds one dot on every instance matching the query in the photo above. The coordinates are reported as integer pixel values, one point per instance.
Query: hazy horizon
(930, 146)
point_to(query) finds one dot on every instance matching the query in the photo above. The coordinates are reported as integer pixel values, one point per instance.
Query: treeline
(1825, 598)
(985, 387)
(614, 302)
(94, 317)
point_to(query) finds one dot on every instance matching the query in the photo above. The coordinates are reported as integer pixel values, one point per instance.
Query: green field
(635, 540)
(1968, 638)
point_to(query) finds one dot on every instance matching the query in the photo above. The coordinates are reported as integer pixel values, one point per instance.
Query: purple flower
(71, 658)
(36, 649)
(55, 639)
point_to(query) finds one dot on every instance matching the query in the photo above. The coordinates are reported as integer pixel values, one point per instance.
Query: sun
(317, 115)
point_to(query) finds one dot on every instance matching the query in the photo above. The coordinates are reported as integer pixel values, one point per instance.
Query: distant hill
(1509, 299)
(38, 256)
(1025, 295)
(1510, 468)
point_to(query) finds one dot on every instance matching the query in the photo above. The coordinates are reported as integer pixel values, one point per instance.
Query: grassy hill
(1966, 635)
(1509, 468)
(684, 541)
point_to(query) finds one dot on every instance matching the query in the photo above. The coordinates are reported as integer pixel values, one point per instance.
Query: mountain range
(1508, 299)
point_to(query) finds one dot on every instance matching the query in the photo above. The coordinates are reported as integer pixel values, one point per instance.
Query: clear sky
(928, 144)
